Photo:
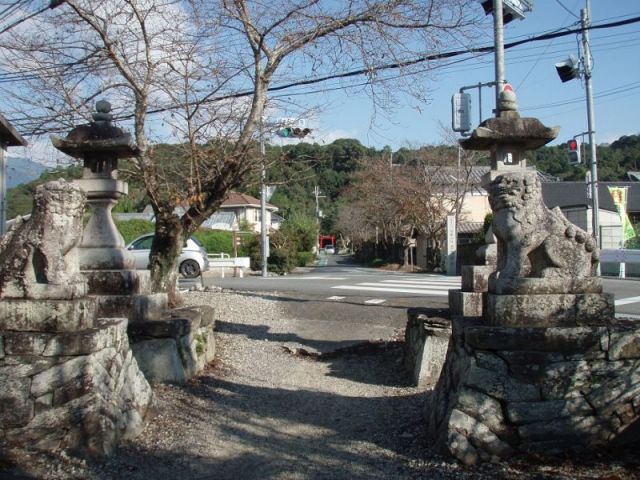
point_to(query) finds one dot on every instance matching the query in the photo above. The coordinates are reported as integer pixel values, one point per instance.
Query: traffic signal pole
(585, 17)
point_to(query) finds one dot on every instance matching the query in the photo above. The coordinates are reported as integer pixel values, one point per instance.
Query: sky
(530, 70)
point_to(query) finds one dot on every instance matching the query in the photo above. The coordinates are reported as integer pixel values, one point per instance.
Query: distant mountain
(22, 170)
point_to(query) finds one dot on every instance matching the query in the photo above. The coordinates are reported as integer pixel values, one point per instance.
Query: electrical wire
(383, 68)
(568, 10)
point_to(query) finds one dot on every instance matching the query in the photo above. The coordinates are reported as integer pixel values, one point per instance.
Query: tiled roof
(235, 199)
(220, 221)
(470, 227)
(574, 194)
(453, 175)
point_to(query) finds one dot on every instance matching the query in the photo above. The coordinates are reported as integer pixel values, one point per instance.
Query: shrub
(215, 241)
(305, 258)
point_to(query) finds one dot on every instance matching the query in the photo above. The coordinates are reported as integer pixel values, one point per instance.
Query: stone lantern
(100, 144)
(508, 136)
(537, 360)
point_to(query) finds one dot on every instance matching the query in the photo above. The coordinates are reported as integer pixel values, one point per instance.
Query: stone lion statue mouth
(539, 250)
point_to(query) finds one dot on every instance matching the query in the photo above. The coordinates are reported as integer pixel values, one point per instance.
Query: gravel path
(264, 412)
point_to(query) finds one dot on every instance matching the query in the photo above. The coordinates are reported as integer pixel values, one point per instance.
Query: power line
(381, 68)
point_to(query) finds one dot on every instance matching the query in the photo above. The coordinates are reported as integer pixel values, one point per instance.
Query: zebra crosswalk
(433, 285)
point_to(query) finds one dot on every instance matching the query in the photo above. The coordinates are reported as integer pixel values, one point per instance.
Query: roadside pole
(263, 205)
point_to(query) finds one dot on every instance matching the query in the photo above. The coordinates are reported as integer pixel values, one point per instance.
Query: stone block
(47, 315)
(426, 343)
(27, 366)
(553, 339)
(55, 377)
(479, 405)
(620, 388)
(110, 332)
(193, 314)
(460, 447)
(43, 403)
(26, 343)
(531, 412)
(475, 278)
(548, 310)
(149, 307)
(82, 342)
(569, 430)
(491, 361)
(172, 328)
(500, 386)
(114, 305)
(159, 360)
(465, 304)
(624, 340)
(16, 406)
(118, 282)
(479, 434)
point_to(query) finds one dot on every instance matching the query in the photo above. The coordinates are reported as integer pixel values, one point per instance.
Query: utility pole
(263, 205)
(498, 39)
(585, 17)
(316, 193)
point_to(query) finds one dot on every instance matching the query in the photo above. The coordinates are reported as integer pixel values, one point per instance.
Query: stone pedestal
(549, 310)
(426, 340)
(507, 391)
(68, 378)
(468, 301)
(176, 347)
(79, 390)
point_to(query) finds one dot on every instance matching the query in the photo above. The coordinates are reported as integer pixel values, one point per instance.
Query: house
(247, 208)
(236, 208)
(575, 203)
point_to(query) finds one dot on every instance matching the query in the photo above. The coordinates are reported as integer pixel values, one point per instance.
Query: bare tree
(402, 200)
(205, 68)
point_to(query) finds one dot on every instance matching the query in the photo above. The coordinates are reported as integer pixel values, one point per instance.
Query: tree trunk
(165, 251)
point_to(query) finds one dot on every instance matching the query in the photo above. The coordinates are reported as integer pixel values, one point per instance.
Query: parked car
(192, 262)
(329, 249)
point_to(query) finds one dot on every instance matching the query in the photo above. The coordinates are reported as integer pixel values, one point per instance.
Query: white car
(329, 249)
(192, 262)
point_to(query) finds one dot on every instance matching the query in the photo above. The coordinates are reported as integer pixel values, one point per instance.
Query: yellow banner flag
(619, 195)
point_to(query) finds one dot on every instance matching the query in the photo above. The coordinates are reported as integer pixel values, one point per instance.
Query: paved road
(337, 279)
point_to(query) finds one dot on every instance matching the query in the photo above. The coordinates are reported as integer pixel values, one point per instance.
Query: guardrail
(223, 262)
(622, 256)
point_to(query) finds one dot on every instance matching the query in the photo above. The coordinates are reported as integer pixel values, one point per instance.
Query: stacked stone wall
(80, 390)
(510, 390)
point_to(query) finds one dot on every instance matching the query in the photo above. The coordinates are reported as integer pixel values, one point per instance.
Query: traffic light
(511, 9)
(569, 69)
(289, 132)
(573, 147)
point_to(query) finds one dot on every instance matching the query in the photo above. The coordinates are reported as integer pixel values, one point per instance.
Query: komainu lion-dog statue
(38, 256)
(539, 250)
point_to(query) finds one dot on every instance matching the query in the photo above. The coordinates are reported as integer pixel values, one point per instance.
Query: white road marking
(627, 301)
(395, 290)
(375, 301)
(307, 278)
(426, 282)
(335, 297)
(411, 285)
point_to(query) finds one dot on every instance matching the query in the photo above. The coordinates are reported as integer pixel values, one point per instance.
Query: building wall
(475, 207)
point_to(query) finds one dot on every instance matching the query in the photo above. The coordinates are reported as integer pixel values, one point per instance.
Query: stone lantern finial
(507, 102)
(102, 112)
